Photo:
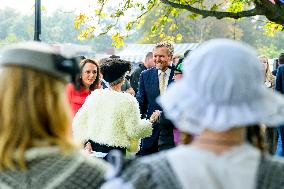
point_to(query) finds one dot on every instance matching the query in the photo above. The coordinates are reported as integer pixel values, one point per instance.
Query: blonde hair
(166, 44)
(33, 112)
(268, 74)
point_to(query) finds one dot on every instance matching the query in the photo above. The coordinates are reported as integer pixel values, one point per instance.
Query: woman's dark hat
(114, 68)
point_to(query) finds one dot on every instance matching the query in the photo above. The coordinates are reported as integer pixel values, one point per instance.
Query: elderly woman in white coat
(221, 99)
(110, 119)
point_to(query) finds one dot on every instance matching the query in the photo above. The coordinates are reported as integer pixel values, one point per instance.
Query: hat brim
(192, 113)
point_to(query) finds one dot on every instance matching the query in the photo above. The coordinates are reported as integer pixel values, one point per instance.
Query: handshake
(155, 117)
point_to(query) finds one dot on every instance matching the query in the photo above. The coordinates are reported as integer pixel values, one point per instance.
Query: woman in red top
(87, 81)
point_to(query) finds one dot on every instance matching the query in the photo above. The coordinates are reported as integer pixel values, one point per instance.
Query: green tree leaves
(130, 14)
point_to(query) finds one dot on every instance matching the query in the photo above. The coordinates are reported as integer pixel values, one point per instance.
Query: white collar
(168, 72)
(105, 82)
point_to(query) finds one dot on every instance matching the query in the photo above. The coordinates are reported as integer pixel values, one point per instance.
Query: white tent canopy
(137, 52)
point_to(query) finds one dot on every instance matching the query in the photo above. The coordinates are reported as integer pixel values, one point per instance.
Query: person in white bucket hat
(222, 99)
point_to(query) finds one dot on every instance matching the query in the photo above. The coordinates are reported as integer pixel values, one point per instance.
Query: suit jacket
(146, 96)
(149, 90)
(134, 79)
(279, 85)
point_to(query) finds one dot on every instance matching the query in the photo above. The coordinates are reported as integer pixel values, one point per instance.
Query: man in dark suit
(152, 83)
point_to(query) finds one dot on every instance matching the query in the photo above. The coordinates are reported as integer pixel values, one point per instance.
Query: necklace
(222, 142)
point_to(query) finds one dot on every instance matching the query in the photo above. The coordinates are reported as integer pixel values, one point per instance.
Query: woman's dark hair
(186, 53)
(256, 137)
(79, 82)
(180, 60)
(114, 69)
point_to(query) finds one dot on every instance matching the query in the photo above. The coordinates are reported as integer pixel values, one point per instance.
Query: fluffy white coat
(111, 118)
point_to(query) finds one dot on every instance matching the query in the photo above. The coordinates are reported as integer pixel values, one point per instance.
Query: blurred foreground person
(36, 150)
(222, 100)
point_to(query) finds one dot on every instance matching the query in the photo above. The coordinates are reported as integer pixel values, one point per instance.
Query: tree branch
(217, 14)
(101, 10)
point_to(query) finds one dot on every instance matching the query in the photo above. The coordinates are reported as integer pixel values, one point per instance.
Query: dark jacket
(134, 79)
(274, 72)
(147, 93)
(279, 86)
(149, 90)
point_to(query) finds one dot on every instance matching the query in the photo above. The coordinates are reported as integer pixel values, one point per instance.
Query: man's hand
(88, 148)
(155, 116)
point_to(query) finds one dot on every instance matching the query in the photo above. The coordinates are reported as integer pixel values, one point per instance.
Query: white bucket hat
(222, 87)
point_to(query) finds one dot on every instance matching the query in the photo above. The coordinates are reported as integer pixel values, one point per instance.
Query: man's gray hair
(166, 44)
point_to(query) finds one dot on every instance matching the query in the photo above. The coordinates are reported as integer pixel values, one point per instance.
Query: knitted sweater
(47, 168)
(111, 118)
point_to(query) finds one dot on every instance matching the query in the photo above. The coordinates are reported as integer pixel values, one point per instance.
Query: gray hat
(222, 88)
(41, 57)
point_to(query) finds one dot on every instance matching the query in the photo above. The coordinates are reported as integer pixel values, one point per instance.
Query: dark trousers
(105, 149)
(149, 149)
(149, 145)
(271, 139)
(166, 135)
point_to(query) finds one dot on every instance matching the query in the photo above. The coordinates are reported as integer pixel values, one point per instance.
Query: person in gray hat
(35, 140)
(222, 100)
